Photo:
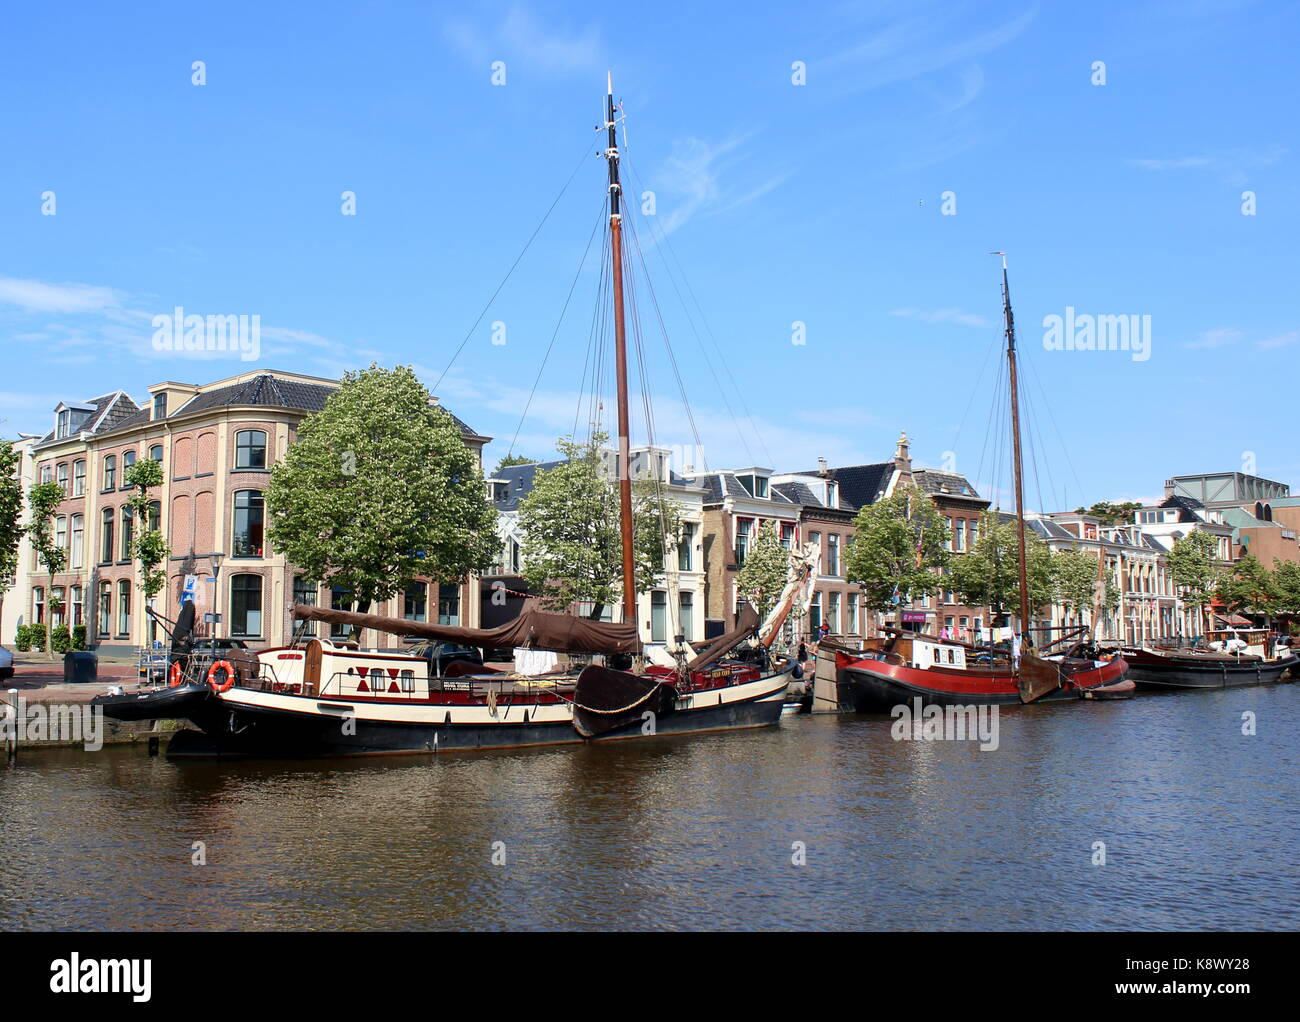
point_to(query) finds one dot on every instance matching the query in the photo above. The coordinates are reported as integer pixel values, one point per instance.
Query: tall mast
(620, 355)
(1025, 611)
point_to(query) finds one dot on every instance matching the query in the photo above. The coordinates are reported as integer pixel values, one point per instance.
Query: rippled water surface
(1201, 826)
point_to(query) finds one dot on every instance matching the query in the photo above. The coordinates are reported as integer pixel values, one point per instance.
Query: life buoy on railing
(174, 675)
(221, 665)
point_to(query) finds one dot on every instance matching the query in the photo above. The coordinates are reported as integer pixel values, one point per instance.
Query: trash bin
(81, 666)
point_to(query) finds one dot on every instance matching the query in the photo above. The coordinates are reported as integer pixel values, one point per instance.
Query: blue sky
(819, 203)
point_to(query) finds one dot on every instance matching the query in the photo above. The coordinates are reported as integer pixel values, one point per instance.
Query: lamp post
(216, 590)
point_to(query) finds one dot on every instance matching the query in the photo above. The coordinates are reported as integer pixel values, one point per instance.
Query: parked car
(6, 664)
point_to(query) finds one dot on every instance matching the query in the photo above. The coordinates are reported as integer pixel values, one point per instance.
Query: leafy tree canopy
(765, 572)
(1112, 513)
(989, 573)
(900, 544)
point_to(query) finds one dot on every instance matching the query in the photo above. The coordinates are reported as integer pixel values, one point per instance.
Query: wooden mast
(620, 355)
(1026, 639)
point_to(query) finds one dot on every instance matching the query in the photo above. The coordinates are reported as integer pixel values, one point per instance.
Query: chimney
(823, 469)
(902, 454)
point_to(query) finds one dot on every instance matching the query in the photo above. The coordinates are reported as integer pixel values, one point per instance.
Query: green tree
(1193, 568)
(379, 489)
(765, 572)
(11, 509)
(510, 460)
(1286, 576)
(989, 574)
(148, 546)
(900, 544)
(43, 501)
(1249, 588)
(573, 547)
(1074, 578)
(1112, 514)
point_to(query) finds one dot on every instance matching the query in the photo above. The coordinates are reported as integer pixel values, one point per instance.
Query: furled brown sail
(532, 629)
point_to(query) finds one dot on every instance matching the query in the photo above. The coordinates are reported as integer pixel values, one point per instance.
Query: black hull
(1207, 676)
(183, 702)
(280, 734)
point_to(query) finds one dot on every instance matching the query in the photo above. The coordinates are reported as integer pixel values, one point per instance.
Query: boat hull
(877, 687)
(261, 725)
(1180, 675)
(181, 702)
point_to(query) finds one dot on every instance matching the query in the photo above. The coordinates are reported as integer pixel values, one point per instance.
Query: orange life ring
(174, 675)
(230, 676)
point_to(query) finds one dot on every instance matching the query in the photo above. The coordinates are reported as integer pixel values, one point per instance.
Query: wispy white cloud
(704, 178)
(1284, 340)
(958, 317)
(39, 296)
(521, 37)
(1233, 165)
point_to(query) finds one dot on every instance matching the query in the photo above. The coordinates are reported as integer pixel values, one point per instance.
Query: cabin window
(250, 517)
(936, 654)
(408, 681)
(246, 605)
(378, 680)
(952, 656)
(250, 448)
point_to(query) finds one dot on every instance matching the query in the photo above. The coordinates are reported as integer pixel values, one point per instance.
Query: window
(959, 534)
(61, 532)
(250, 448)
(156, 453)
(46, 473)
(851, 620)
(815, 540)
(686, 547)
(755, 485)
(249, 520)
(106, 538)
(160, 406)
(833, 554)
(61, 476)
(833, 613)
(832, 494)
(105, 608)
(78, 478)
(815, 612)
(110, 472)
(124, 607)
(449, 605)
(64, 426)
(415, 602)
(128, 459)
(304, 592)
(743, 527)
(38, 605)
(128, 531)
(155, 516)
(658, 616)
(246, 605)
(77, 607)
(686, 608)
(787, 534)
(340, 599)
(974, 533)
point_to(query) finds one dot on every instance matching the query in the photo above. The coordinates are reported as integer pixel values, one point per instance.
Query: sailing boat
(331, 698)
(908, 666)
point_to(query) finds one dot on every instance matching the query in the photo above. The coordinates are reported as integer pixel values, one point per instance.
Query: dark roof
(1185, 506)
(520, 479)
(118, 406)
(800, 493)
(263, 389)
(860, 485)
(716, 485)
(946, 484)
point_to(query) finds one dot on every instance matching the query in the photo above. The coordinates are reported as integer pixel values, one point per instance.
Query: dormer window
(63, 424)
(756, 485)
(832, 494)
(160, 406)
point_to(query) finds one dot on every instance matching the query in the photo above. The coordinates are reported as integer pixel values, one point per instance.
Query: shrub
(79, 637)
(23, 638)
(60, 639)
(37, 634)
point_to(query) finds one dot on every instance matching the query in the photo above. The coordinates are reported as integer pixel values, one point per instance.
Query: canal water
(822, 823)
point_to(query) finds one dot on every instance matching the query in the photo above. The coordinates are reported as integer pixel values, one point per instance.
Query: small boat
(907, 666)
(178, 702)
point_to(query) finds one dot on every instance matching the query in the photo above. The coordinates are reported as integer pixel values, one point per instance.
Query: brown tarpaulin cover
(534, 628)
(746, 625)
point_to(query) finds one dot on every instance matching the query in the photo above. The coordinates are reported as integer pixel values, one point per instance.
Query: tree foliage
(510, 460)
(573, 547)
(149, 546)
(900, 544)
(11, 509)
(1192, 567)
(43, 501)
(1250, 588)
(765, 572)
(380, 489)
(1112, 513)
(989, 573)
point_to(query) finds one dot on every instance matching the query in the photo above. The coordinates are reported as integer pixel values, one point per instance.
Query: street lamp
(216, 590)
